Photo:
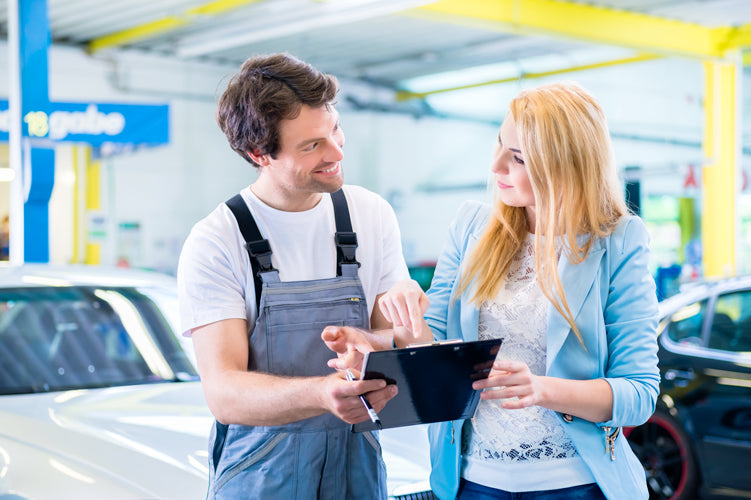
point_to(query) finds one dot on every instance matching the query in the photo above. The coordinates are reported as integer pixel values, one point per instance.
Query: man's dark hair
(269, 89)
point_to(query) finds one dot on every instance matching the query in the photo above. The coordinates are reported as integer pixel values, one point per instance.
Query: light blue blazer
(612, 297)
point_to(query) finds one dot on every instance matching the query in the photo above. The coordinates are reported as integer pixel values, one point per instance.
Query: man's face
(310, 151)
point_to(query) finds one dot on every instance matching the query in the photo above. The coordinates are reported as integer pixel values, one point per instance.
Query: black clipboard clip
(436, 342)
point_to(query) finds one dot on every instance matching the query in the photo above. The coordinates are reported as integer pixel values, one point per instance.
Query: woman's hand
(513, 382)
(512, 379)
(404, 306)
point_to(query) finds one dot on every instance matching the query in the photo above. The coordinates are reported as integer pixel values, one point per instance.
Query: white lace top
(498, 442)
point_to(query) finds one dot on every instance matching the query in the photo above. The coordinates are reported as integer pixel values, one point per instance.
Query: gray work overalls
(315, 458)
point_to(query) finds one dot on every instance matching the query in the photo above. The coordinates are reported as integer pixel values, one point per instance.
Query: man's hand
(342, 398)
(350, 344)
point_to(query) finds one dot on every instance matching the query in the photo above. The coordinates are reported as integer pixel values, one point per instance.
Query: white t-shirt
(214, 275)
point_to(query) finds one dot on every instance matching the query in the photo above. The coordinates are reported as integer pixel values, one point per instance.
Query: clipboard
(434, 381)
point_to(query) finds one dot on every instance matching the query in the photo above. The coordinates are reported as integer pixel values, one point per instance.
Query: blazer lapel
(577, 281)
(470, 315)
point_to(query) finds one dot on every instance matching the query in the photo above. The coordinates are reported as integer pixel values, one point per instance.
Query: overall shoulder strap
(345, 238)
(257, 246)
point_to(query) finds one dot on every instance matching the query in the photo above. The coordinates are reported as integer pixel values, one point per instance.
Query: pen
(371, 412)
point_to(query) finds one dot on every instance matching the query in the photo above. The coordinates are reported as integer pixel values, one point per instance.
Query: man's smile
(331, 170)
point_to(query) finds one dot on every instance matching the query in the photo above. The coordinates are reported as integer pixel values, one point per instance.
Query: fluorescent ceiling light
(323, 15)
(511, 69)
(457, 78)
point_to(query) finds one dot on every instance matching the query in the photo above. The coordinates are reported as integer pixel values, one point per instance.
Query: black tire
(665, 451)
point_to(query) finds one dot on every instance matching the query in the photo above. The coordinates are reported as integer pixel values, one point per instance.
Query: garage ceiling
(391, 42)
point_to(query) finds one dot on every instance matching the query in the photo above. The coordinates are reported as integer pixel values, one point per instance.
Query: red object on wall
(690, 180)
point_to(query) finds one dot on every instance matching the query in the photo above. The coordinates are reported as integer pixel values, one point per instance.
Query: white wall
(165, 190)
(400, 157)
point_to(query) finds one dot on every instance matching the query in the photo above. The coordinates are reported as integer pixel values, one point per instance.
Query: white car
(98, 399)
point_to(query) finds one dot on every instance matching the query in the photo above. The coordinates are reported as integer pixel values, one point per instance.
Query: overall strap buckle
(346, 242)
(261, 251)
(345, 238)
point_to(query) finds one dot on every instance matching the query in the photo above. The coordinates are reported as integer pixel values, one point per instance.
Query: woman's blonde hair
(568, 153)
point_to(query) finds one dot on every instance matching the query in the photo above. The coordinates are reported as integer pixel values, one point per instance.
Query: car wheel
(665, 451)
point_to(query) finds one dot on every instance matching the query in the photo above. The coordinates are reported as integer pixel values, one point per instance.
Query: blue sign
(94, 123)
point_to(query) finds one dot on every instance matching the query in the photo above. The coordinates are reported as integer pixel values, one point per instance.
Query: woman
(558, 269)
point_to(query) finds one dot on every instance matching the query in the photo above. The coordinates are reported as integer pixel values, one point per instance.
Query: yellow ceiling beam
(141, 32)
(733, 37)
(165, 24)
(404, 95)
(218, 7)
(595, 24)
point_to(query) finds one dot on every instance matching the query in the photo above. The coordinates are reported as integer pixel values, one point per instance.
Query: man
(306, 252)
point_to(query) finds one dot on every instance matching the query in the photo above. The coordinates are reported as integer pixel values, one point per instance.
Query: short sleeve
(210, 274)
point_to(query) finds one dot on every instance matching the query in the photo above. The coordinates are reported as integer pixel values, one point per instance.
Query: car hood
(102, 443)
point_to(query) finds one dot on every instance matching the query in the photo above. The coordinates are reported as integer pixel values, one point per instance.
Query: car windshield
(61, 338)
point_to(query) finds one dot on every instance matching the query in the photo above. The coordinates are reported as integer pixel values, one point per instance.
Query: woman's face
(511, 176)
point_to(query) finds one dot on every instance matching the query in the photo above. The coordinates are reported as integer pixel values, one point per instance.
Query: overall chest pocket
(293, 341)
(350, 310)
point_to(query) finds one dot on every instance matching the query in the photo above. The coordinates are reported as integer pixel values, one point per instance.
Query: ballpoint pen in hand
(371, 412)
